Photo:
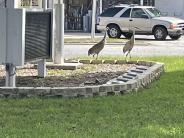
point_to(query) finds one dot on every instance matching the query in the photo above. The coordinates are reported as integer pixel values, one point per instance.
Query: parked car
(121, 19)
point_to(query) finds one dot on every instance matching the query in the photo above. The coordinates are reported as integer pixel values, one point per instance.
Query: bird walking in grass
(130, 44)
(97, 48)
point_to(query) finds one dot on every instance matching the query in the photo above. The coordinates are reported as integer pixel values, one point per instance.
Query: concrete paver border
(138, 78)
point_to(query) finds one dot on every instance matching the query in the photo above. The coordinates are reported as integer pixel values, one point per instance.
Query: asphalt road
(144, 46)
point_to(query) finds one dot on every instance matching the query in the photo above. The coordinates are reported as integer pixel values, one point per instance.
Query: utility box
(12, 36)
(25, 36)
(38, 38)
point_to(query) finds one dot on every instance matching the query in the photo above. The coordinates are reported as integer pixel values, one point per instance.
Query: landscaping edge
(144, 78)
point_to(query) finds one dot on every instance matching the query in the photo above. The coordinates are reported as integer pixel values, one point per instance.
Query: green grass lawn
(157, 111)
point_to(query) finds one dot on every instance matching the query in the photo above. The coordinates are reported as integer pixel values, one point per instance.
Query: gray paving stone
(4, 90)
(132, 85)
(121, 62)
(143, 63)
(121, 78)
(92, 89)
(120, 87)
(106, 88)
(97, 61)
(127, 76)
(111, 93)
(60, 92)
(85, 61)
(103, 94)
(142, 68)
(136, 71)
(132, 62)
(65, 66)
(1, 96)
(109, 62)
(132, 74)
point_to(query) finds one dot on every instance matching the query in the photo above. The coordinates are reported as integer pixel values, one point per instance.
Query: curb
(123, 43)
(136, 78)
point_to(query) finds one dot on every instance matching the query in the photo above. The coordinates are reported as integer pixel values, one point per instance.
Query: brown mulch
(87, 75)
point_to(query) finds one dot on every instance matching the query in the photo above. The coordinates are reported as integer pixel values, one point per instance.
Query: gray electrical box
(25, 36)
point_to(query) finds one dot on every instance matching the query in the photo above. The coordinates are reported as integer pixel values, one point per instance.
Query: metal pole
(10, 75)
(60, 1)
(141, 2)
(44, 3)
(42, 71)
(10, 68)
(100, 6)
(59, 34)
(5, 3)
(93, 20)
(11, 3)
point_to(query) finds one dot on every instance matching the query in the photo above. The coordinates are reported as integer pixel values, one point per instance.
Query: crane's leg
(126, 57)
(96, 56)
(130, 55)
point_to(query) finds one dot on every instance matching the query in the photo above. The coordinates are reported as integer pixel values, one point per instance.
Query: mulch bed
(86, 76)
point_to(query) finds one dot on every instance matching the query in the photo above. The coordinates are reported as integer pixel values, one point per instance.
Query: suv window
(110, 12)
(126, 13)
(137, 13)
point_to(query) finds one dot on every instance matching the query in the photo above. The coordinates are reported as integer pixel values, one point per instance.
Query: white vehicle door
(123, 20)
(140, 19)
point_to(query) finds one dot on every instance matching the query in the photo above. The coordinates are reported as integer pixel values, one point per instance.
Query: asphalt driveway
(144, 46)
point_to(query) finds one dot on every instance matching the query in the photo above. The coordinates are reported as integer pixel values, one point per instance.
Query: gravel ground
(87, 75)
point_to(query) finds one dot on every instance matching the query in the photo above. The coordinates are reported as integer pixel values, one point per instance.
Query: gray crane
(95, 50)
(130, 44)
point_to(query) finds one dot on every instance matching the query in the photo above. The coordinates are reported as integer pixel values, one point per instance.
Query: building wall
(3, 3)
(28, 3)
(76, 11)
(171, 7)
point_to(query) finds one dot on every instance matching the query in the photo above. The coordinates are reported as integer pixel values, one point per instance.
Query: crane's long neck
(104, 39)
(105, 35)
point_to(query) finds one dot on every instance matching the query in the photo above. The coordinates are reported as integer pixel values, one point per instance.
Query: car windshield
(154, 12)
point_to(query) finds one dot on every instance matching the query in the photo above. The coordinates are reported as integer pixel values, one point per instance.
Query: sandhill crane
(130, 44)
(95, 50)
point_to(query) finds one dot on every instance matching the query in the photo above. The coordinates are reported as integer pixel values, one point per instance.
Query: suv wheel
(160, 33)
(128, 35)
(114, 31)
(175, 37)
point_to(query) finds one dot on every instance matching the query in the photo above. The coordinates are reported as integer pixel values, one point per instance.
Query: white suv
(121, 19)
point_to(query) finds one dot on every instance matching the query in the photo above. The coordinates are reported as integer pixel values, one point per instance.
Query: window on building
(137, 13)
(126, 14)
(111, 12)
